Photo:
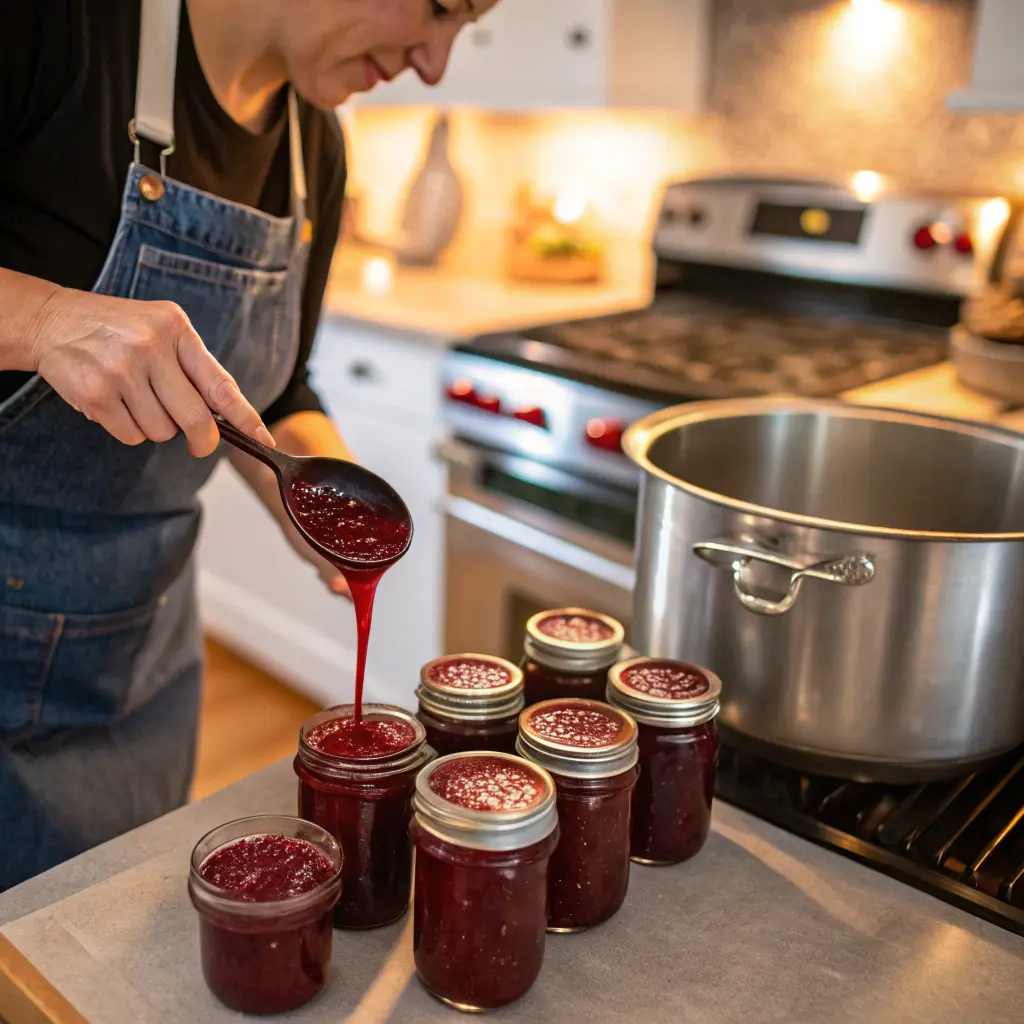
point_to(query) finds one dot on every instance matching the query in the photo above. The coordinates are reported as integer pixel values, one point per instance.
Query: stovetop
(759, 336)
(961, 841)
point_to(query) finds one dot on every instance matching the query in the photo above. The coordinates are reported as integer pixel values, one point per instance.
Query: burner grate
(962, 841)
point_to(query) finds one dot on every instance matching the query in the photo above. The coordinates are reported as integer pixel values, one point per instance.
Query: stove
(763, 287)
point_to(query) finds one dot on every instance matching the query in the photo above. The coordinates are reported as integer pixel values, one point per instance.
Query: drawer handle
(848, 570)
(578, 38)
(362, 371)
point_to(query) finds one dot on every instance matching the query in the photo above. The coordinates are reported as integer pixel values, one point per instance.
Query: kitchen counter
(445, 303)
(761, 927)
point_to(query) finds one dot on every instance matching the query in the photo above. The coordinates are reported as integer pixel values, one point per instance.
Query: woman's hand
(138, 369)
(303, 433)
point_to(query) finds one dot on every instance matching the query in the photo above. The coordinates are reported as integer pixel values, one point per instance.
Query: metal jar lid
(468, 704)
(568, 655)
(652, 706)
(486, 830)
(408, 758)
(546, 738)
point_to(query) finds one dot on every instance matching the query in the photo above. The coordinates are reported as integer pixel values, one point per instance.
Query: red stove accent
(924, 238)
(489, 403)
(462, 391)
(533, 415)
(605, 435)
(963, 244)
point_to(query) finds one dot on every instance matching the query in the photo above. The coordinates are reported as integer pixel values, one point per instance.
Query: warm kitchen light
(867, 185)
(867, 5)
(377, 276)
(942, 232)
(570, 207)
(867, 36)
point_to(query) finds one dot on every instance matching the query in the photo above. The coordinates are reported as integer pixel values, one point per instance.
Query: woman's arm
(304, 433)
(137, 368)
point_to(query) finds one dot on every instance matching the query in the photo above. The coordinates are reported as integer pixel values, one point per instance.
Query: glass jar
(470, 702)
(485, 827)
(362, 794)
(675, 705)
(590, 750)
(266, 950)
(567, 653)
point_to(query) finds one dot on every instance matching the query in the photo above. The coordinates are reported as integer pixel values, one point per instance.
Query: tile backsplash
(799, 87)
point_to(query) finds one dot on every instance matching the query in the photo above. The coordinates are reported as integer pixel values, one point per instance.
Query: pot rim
(639, 437)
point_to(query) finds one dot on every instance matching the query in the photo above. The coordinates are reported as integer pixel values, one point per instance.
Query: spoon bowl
(347, 514)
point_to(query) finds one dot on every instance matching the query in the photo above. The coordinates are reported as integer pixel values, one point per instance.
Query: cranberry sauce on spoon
(348, 515)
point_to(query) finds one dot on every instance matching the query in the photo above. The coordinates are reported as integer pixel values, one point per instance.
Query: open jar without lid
(567, 653)
(470, 702)
(485, 827)
(264, 888)
(590, 749)
(356, 780)
(674, 704)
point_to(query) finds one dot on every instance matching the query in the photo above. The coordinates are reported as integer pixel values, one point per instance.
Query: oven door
(523, 537)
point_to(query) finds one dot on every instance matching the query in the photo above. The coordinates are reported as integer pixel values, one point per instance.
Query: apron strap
(154, 87)
(295, 144)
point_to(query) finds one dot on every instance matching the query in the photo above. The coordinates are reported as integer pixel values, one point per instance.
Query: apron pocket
(67, 671)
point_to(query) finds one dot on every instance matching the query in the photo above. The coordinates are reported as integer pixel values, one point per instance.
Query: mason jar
(675, 705)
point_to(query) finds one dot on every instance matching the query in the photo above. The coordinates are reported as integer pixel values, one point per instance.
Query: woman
(168, 211)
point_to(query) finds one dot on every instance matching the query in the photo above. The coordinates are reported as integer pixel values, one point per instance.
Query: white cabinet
(997, 74)
(259, 597)
(535, 54)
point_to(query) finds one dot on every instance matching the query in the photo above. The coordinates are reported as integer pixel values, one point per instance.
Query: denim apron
(100, 645)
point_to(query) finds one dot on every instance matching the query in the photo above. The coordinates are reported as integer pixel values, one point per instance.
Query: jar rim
(485, 830)
(472, 709)
(383, 766)
(263, 825)
(569, 655)
(573, 760)
(512, 686)
(653, 710)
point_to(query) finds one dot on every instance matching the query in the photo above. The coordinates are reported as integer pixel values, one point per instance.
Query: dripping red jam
(372, 736)
(590, 750)
(470, 702)
(567, 653)
(485, 827)
(675, 705)
(356, 780)
(265, 900)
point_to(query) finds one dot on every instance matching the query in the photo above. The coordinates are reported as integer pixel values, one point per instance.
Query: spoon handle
(276, 460)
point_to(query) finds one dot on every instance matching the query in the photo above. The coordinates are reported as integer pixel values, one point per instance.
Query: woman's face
(334, 48)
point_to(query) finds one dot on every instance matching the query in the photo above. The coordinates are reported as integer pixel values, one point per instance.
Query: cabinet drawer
(377, 371)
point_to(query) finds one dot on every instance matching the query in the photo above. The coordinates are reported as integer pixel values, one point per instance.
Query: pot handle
(849, 570)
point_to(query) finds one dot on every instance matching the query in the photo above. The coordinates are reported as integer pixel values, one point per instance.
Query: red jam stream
(575, 629)
(359, 533)
(365, 738)
(261, 869)
(469, 674)
(666, 680)
(487, 784)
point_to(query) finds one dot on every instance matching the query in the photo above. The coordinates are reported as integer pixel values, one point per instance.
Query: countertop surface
(760, 927)
(446, 303)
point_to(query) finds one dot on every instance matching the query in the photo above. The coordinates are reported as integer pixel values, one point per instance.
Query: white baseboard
(282, 644)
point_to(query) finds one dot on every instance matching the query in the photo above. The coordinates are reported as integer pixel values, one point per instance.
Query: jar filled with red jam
(470, 702)
(590, 750)
(264, 888)
(356, 780)
(675, 705)
(567, 653)
(485, 828)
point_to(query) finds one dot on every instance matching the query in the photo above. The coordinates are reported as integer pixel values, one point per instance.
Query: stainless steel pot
(854, 575)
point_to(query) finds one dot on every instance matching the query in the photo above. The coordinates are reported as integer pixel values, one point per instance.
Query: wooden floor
(249, 720)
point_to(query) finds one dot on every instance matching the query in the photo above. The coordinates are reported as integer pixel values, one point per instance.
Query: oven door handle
(555, 548)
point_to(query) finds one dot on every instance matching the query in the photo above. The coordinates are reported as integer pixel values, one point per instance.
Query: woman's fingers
(149, 413)
(218, 388)
(185, 406)
(117, 420)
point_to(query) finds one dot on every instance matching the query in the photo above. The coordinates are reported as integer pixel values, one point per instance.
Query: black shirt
(67, 93)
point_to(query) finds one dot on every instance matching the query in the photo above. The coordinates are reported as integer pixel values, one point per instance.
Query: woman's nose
(430, 59)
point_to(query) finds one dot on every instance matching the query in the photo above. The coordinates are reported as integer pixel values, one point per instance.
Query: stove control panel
(537, 415)
(855, 234)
